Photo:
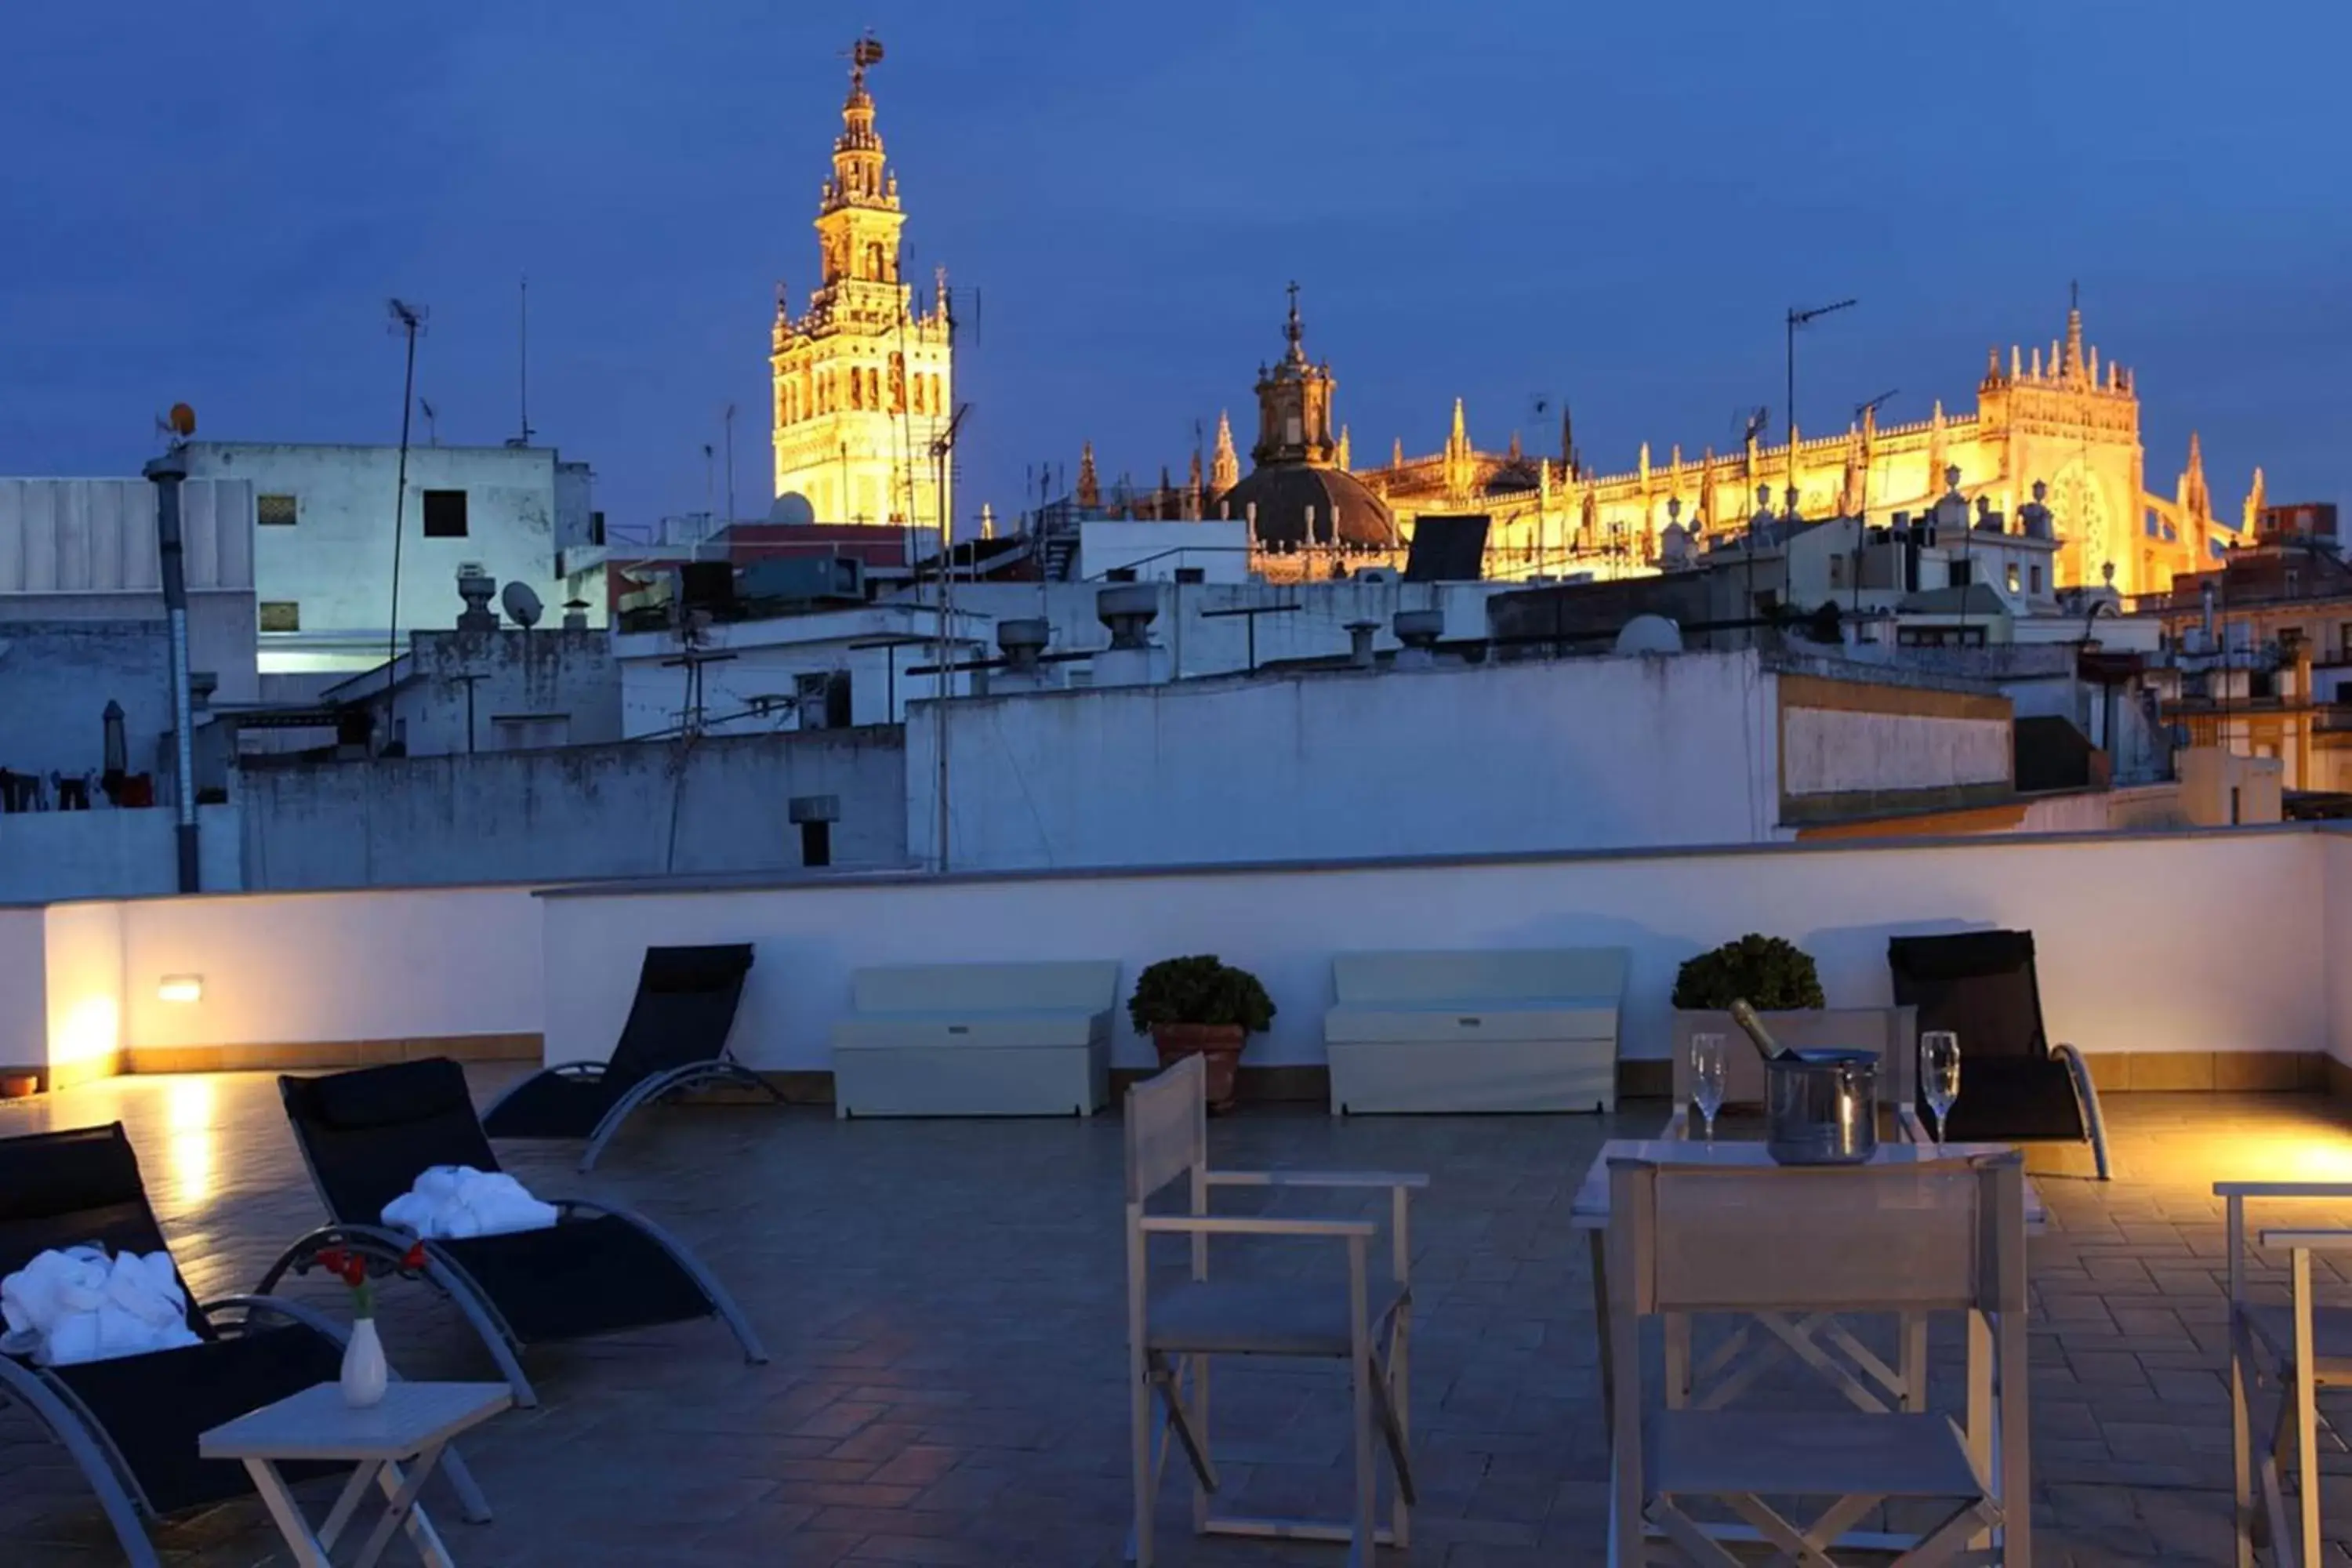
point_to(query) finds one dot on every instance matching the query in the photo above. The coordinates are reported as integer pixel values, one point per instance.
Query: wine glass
(1939, 1074)
(1707, 1078)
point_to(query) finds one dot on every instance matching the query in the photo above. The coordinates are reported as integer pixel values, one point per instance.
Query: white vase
(364, 1370)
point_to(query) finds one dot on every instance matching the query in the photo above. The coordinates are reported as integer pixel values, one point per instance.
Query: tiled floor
(943, 1301)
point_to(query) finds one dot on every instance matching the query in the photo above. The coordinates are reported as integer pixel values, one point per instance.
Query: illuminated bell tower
(864, 382)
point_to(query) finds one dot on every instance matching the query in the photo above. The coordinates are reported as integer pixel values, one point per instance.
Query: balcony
(943, 1299)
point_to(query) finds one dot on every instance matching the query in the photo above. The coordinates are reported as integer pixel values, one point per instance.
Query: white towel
(457, 1201)
(79, 1305)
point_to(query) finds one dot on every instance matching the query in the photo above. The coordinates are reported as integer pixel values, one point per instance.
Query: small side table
(414, 1422)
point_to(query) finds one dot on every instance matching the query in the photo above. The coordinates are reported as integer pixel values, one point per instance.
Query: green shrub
(1199, 990)
(1772, 973)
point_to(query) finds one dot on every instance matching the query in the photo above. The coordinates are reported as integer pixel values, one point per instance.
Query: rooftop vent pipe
(1021, 642)
(1419, 631)
(1360, 643)
(1128, 611)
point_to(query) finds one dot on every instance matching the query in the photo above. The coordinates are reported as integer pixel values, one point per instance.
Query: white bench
(976, 1039)
(1512, 1029)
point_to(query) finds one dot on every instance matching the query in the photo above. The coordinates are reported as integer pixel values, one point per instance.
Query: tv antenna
(406, 320)
(431, 426)
(1754, 423)
(522, 360)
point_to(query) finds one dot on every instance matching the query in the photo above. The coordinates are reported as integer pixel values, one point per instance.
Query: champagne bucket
(1824, 1107)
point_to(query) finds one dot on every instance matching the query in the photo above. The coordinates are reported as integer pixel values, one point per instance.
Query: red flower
(414, 1258)
(355, 1270)
(331, 1259)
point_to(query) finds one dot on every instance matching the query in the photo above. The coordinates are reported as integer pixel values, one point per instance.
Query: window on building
(280, 616)
(2033, 579)
(1119, 574)
(595, 527)
(274, 511)
(1191, 574)
(2014, 577)
(822, 699)
(445, 514)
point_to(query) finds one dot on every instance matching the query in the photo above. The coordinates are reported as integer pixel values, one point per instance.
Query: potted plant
(1770, 973)
(1201, 1006)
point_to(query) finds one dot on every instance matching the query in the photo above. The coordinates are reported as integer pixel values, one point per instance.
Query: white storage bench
(976, 1039)
(1512, 1029)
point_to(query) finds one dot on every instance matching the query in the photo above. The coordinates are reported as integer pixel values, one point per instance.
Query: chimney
(1419, 631)
(1360, 643)
(1128, 610)
(575, 614)
(476, 586)
(1021, 642)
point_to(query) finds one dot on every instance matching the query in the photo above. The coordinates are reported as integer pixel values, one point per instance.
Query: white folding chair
(1940, 1235)
(1174, 1328)
(2298, 1349)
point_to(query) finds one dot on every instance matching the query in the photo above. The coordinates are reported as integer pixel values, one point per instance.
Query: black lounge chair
(2015, 1086)
(131, 1425)
(676, 1038)
(367, 1135)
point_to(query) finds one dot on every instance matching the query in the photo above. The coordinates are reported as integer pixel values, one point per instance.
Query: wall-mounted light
(181, 988)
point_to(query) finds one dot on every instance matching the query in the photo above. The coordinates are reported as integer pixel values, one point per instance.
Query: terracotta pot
(1219, 1045)
(19, 1086)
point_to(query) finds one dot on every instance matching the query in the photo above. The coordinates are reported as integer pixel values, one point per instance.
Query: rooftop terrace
(943, 1304)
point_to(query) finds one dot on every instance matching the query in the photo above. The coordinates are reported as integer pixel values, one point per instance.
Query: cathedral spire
(1193, 498)
(1225, 468)
(1458, 440)
(1342, 455)
(2074, 366)
(1090, 491)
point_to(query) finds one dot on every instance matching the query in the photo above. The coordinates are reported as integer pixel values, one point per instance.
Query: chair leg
(89, 1454)
(2242, 1452)
(1140, 1394)
(1400, 1406)
(1200, 1407)
(2307, 1410)
(1363, 1545)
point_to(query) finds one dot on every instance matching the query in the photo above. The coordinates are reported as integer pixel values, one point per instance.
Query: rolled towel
(452, 1202)
(78, 1305)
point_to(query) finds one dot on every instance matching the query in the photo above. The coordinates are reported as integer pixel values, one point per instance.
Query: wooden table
(1588, 1212)
(414, 1422)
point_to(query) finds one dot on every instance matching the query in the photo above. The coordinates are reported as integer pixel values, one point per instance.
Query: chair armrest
(1412, 1179)
(1239, 1225)
(2313, 1240)
(2283, 1189)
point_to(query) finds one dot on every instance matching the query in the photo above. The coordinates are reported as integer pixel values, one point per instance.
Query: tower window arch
(897, 384)
(857, 388)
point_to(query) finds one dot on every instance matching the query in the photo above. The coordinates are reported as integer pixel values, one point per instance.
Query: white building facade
(322, 540)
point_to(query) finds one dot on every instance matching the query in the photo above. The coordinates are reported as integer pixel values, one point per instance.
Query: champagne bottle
(1753, 1026)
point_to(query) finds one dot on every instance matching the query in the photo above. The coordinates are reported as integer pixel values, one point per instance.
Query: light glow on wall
(91, 1030)
(181, 988)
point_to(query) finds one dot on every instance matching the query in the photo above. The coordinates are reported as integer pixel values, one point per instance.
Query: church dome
(1344, 507)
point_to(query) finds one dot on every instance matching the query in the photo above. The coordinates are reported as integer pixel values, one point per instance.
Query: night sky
(1612, 204)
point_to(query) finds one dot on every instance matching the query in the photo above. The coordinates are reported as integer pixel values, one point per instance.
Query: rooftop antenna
(1866, 416)
(727, 419)
(407, 321)
(1757, 420)
(1798, 318)
(522, 360)
(431, 426)
(942, 453)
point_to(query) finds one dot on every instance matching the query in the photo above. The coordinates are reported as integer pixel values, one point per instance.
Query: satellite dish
(1650, 634)
(182, 420)
(792, 508)
(522, 604)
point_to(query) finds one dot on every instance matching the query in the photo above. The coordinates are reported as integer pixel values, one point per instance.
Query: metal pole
(166, 472)
(406, 319)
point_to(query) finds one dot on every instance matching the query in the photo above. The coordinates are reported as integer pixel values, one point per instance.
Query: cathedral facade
(863, 377)
(2061, 419)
